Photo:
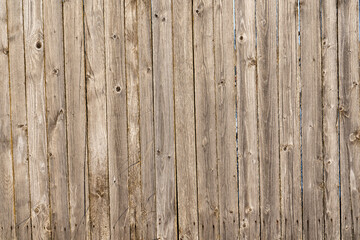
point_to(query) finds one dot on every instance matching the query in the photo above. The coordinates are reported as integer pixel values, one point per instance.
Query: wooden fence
(140, 119)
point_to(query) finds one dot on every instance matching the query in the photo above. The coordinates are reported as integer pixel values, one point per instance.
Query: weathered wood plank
(133, 117)
(330, 120)
(268, 119)
(164, 119)
(19, 119)
(185, 119)
(36, 117)
(7, 214)
(289, 121)
(205, 104)
(97, 119)
(56, 119)
(349, 114)
(247, 120)
(148, 180)
(312, 151)
(76, 118)
(117, 117)
(225, 118)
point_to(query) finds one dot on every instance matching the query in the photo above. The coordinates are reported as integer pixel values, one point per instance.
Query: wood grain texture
(185, 120)
(205, 104)
(7, 216)
(56, 119)
(148, 197)
(133, 116)
(171, 119)
(117, 117)
(164, 119)
(36, 117)
(19, 119)
(289, 121)
(266, 24)
(226, 119)
(249, 205)
(97, 119)
(330, 120)
(349, 114)
(76, 118)
(311, 102)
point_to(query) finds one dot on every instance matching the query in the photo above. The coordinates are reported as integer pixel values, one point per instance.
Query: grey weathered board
(249, 211)
(289, 121)
(179, 119)
(349, 117)
(7, 217)
(268, 122)
(19, 119)
(96, 109)
(205, 103)
(330, 120)
(76, 118)
(312, 136)
(184, 104)
(56, 119)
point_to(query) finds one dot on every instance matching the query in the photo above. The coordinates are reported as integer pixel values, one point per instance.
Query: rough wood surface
(205, 104)
(36, 116)
(312, 138)
(97, 119)
(185, 120)
(76, 118)
(56, 119)
(330, 120)
(248, 157)
(289, 121)
(117, 117)
(172, 119)
(349, 114)
(19, 119)
(133, 117)
(164, 120)
(7, 213)
(148, 197)
(226, 119)
(268, 119)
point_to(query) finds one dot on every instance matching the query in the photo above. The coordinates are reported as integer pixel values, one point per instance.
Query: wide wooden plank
(19, 119)
(117, 117)
(185, 119)
(133, 117)
(7, 216)
(330, 120)
(148, 197)
(312, 151)
(249, 207)
(164, 120)
(349, 114)
(76, 118)
(268, 119)
(35, 93)
(97, 119)
(289, 121)
(56, 119)
(207, 170)
(225, 118)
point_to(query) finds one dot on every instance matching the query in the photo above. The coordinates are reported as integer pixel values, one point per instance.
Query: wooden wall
(179, 119)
